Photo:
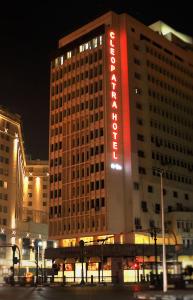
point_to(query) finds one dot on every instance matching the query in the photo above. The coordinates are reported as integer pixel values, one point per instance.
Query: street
(69, 293)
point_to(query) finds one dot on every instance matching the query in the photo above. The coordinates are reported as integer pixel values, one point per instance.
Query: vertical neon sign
(114, 100)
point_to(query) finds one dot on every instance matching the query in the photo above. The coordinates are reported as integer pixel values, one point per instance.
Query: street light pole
(81, 244)
(163, 235)
(102, 264)
(37, 262)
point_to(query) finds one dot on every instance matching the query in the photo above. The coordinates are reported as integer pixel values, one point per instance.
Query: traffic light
(15, 260)
(136, 265)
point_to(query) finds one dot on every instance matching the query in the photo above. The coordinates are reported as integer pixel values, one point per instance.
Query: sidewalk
(169, 295)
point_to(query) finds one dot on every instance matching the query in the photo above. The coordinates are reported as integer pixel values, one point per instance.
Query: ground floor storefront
(110, 263)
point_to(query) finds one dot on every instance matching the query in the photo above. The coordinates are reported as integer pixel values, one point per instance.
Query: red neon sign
(113, 95)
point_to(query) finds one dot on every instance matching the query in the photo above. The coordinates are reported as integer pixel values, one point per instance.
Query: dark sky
(29, 32)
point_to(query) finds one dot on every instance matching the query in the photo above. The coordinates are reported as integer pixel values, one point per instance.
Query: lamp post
(37, 245)
(81, 244)
(154, 236)
(102, 256)
(164, 266)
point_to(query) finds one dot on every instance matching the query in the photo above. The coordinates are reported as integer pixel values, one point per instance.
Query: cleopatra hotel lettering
(114, 99)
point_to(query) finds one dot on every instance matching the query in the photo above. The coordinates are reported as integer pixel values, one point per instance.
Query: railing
(57, 281)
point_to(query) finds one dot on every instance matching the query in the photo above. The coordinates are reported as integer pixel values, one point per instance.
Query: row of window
(168, 87)
(4, 136)
(90, 89)
(57, 117)
(186, 225)
(30, 203)
(172, 161)
(4, 148)
(95, 204)
(171, 102)
(84, 156)
(161, 126)
(138, 226)
(56, 162)
(144, 207)
(170, 61)
(170, 75)
(87, 74)
(79, 173)
(56, 131)
(3, 196)
(3, 184)
(80, 190)
(4, 160)
(150, 189)
(3, 221)
(170, 115)
(56, 146)
(3, 209)
(4, 172)
(174, 176)
(85, 172)
(55, 177)
(90, 45)
(161, 142)
(44, 195)
(91, 104)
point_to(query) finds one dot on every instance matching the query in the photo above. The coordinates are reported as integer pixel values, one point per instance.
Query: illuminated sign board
(114, 101)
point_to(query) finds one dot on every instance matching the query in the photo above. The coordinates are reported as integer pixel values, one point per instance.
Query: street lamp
(81, 244)
(164, 266)
(154, 236)
(102, 258)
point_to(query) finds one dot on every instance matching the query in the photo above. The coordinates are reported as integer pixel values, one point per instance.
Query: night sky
(29, 32)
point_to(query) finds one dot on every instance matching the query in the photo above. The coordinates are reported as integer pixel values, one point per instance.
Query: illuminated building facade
(121, 104)
(24, 192)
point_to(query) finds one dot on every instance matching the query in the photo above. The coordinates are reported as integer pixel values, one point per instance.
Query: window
(175, 194)
(136, 186)
(150, 189)
(144, 206)
(141, 153)
(157, 208)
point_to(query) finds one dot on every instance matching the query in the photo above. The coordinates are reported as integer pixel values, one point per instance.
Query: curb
(163, 296)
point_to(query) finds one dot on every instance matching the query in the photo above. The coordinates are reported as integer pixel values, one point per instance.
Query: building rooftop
(170, 33)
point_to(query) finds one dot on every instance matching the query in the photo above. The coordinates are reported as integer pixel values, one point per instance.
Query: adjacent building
(24, 194)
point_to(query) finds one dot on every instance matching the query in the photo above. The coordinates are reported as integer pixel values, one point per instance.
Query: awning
(70, 261)
(59, 261)
(94, 259)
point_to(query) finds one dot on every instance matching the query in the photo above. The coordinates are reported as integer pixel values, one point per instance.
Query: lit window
(94, 42)
(81, 48)
(56, 62)
(86, 46)
(69, 54)
(100, 40)
(61, 60)
(5, 185)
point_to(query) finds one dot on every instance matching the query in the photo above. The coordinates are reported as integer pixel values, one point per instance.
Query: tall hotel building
(121, 107)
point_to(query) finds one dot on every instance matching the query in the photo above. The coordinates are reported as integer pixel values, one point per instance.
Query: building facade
(23, 196)
(120, 120)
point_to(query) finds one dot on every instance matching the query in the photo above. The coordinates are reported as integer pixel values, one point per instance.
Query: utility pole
(81, 244)
(14, 259)
(154, 236)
